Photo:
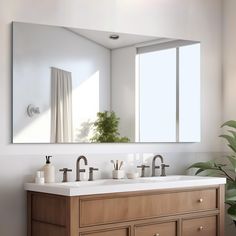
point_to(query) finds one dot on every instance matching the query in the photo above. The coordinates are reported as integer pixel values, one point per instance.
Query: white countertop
(124, 185)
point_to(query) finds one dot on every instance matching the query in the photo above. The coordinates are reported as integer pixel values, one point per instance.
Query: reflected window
(157, 71)
(168, 93)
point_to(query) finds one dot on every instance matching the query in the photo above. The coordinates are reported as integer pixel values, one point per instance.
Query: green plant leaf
(231, 170)
(214, 173)
(231, 140)
(232, 161)
(233, 133)
(199, 171)
(230, 185)
(220, 165)
(204, 165)
(230, 123)
(232, 212)
(230, 203)
(230, 195)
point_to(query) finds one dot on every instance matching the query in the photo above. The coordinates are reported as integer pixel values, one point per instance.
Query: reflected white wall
(36, 49)
(123, 89)
(85, 107)
(189, 93)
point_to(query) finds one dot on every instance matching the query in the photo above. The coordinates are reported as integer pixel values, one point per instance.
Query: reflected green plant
(106, 128)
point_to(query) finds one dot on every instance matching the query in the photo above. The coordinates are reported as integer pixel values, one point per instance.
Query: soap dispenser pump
(49, 171)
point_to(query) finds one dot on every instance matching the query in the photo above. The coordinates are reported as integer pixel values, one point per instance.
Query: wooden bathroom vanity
(189, 211)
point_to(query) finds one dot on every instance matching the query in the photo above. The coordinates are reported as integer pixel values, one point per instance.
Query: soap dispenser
(49, 171)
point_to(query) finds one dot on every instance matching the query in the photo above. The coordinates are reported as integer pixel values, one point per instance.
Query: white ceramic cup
(118, 174)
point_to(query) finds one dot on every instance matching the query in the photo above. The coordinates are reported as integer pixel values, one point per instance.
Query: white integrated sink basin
(124, 185)
(127, 181)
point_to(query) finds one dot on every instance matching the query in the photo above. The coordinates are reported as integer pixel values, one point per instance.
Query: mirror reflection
(82, 86)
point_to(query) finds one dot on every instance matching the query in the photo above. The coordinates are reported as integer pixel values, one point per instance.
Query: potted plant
(226, 168)
(106, 129)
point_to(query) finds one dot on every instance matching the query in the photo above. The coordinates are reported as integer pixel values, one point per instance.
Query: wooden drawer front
(115, 208)
(200, 227)
(108, 232)
(49, 209)
(42, 229)
(163, 229)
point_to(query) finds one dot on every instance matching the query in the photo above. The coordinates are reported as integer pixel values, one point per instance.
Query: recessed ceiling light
(114, 36)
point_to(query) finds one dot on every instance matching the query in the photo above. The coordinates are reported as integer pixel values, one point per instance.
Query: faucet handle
(143, 167)
(91, 169)
(163, 169)
(65, 176)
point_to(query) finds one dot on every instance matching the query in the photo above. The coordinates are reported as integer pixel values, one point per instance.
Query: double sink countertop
(105, 186)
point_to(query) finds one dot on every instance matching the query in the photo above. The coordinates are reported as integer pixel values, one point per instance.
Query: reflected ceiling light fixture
(32, 110)
(114, 36)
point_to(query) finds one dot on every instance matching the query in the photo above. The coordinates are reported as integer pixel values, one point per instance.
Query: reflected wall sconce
(114, 36)
(32, 110)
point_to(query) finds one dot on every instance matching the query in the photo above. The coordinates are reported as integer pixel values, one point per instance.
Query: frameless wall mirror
(82, 86)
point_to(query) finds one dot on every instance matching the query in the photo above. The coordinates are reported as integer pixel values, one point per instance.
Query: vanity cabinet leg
(179, 227)
(29, 222)
(132, 230)
(72, 216)
(221, 206)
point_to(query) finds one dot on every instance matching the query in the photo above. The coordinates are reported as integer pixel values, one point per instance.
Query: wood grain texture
(205, 226)
(43, 229)
(29, 216)
(105, 210)
(72, 216)
(108, 232)
(49, 208)
(164, 229)
(221, 206)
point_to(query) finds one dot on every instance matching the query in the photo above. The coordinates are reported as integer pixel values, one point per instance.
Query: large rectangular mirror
(81, 86)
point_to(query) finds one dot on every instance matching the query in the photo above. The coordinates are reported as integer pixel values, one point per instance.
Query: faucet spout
(78, 170)
(154, 167)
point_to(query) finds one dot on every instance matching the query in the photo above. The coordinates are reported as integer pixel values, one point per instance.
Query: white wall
(123, 87)
(229, 69)
(229, 49)
(37, 48)
(189, 19)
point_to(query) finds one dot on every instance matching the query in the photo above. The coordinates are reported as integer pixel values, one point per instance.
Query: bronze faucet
(78, 170)
(163, 166)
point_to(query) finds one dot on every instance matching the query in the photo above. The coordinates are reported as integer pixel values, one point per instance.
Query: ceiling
(102, 38)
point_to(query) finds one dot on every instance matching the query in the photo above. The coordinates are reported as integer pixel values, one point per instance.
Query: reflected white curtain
(61, 106)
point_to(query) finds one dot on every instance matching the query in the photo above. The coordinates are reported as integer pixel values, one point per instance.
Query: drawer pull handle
(200, 228)
(200, 200)
(156, 234)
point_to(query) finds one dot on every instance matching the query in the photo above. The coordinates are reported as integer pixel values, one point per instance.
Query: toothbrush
(113, 164)
(121, 164)
(117, 163)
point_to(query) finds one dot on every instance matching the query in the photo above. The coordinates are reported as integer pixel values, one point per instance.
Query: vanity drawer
(50, 209)
(163, 229)
(44, 229)
(120, 207)
(205, 226)
(108, 232)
